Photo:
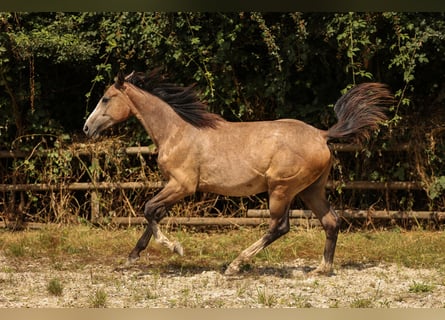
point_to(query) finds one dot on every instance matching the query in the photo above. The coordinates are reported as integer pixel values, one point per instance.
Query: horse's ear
(128, 78)
(119, 80)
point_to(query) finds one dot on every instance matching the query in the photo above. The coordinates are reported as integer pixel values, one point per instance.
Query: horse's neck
(158, 118)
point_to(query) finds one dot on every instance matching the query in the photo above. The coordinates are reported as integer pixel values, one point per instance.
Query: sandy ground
(285, 285)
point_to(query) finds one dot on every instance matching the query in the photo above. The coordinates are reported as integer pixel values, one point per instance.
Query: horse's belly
(234, 187)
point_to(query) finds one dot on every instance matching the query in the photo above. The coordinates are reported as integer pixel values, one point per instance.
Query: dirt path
(286, 285)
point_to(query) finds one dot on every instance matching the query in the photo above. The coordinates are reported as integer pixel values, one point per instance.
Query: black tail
(360, 110)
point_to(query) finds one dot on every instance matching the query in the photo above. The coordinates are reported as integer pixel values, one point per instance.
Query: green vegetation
(16, 250)
(362, 303)
(264, 298)
(55, 287)
(98, 299)
(421, 287)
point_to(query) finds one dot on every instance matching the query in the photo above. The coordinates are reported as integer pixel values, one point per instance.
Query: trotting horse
(200, 151)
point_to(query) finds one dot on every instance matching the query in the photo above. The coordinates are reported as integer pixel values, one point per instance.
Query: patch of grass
(241, 289)
(144, 294)
(417, 287)
(361, 303)
(266, 299)
(412, 249)
(298, 301)
(7, 269)
(186, 299)
(98, 299)
(16, 250)
(151, 294)
(55, 287)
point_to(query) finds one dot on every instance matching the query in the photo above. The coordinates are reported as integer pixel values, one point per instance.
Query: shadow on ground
(247, 270)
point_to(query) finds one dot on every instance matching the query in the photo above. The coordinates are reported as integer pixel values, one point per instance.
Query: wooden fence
(253, 217)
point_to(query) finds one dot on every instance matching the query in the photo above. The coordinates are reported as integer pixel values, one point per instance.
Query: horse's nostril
(85, 129)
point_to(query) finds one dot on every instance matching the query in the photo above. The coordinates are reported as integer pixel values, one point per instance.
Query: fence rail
(85, 186)
(339, 147)
(254, 217)
(81, 186)
(257, 217)
(82, 152)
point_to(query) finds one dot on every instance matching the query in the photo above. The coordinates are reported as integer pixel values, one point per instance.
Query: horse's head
(113, 107)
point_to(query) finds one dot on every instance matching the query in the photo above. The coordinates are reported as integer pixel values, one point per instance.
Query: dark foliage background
(247, 65)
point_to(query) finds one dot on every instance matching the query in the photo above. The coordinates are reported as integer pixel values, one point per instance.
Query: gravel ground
(286, 285)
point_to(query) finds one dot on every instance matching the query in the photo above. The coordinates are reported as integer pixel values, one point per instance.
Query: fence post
(95, 195)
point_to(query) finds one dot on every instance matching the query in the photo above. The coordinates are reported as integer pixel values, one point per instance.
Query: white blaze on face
(99, 120)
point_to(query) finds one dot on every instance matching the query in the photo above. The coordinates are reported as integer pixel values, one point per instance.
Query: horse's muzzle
(90, 133)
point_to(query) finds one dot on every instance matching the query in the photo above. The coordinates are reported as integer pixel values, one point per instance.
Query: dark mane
(183, 100)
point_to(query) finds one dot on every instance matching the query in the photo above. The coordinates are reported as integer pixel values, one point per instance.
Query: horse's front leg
(153, 217)
(140, 245)
(175, 247)
(155, 211)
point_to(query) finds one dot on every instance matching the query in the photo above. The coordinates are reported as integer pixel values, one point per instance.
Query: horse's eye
(105, 99)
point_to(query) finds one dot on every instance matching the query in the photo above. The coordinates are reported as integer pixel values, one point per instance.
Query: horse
(200, 151)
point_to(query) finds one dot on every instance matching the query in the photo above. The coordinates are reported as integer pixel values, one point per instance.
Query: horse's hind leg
(315, 198)
(278, 226)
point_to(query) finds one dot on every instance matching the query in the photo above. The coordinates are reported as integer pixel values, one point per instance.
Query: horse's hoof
(130, 261)
(178, 249)
(322, 270)
(231, 271)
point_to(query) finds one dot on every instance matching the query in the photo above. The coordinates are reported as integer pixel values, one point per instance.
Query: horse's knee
(153, 212)
(148, 210)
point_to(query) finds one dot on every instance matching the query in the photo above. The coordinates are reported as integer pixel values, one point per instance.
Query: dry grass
(73, 246)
